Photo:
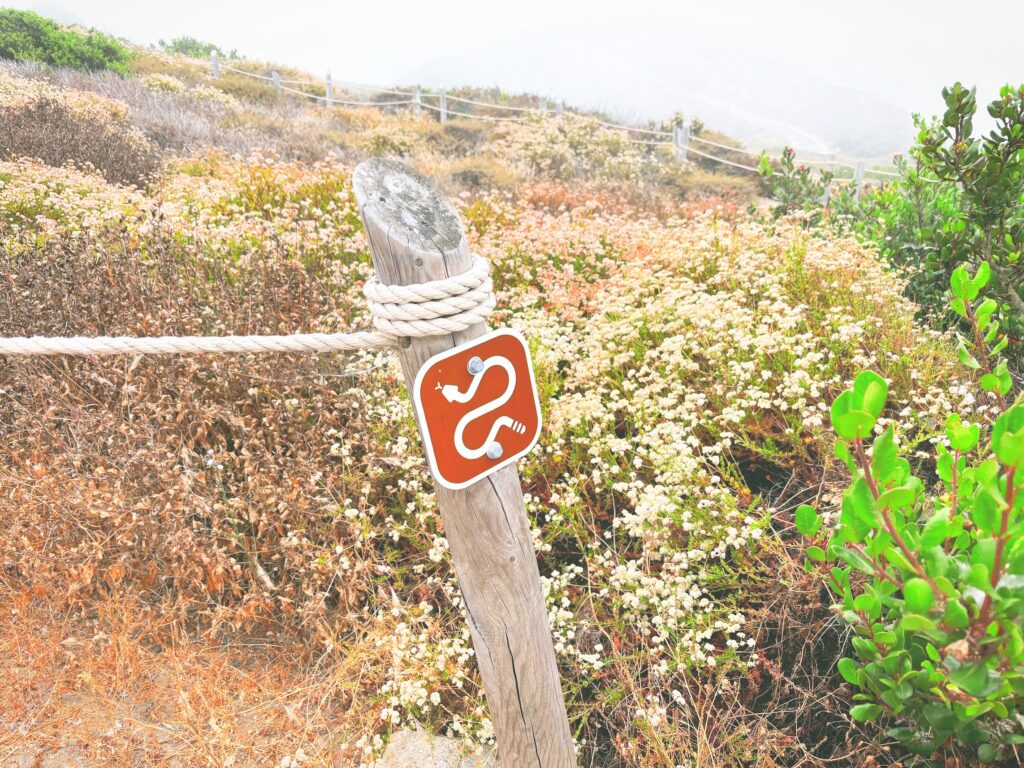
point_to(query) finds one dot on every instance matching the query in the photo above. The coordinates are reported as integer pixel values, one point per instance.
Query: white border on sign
(428, 446)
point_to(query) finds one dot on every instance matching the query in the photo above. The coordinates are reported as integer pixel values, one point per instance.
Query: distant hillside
(765, 106)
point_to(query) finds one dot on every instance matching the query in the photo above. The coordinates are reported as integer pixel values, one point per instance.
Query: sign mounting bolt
(475, 366)
(494, 451)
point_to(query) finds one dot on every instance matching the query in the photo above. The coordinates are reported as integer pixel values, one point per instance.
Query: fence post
(826, 195)
(328, 89)
(858, 179)
(214, 64)
(442, 105)
(417, 102)
(681, 140)
(415, 236)
(275, 76)
(560, 108)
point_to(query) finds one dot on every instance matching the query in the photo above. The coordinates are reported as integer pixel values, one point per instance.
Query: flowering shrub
(160, 82)
(680, 362)
(931, 583)
(61, 126)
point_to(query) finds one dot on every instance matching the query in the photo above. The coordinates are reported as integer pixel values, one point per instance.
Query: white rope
(532, 110)
(454, 113)
(825, 161)
(722, 160)
(725, 146)
(426, 309)
(341, 102)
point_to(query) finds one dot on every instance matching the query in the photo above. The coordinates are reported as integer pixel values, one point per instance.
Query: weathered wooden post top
(415, 236)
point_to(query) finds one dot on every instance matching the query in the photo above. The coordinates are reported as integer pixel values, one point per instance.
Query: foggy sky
(898, 53)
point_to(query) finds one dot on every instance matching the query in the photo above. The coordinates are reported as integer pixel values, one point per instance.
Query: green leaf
(808, 521)
(870, 392)
(959, 282)
(936, 530)
(1008, 436)
(864, 713)
(897, 498)
(848, 669)
(956, 615)
(988, 506)
(973, 678)
(988, 753)
(966, 357)
(859, 509)
(963, 438)
(852, 424)
(918, 596)
(990, 382)
(939, 716)
(981, 278)
(816, 553)
(855, 560)
(913, 622)
(884, 456)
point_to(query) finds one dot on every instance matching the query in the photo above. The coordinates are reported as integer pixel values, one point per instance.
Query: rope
(725, 146)
(435, 308)
(341, 102)
(533, 110)
(825, 161)
(427, 309)
(453, 113)
(722, 160)
(243, 72)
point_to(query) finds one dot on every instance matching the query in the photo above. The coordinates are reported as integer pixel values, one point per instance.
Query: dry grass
(116, 685)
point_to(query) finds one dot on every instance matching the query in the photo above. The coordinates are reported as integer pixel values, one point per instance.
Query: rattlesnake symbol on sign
(478, 408)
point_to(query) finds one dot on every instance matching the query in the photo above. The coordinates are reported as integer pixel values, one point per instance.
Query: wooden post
(681, 140)
(442, 104)
(417, 102)
(275, 77)
(328, 90)
(858, 179)
(215, 64)
(415, 236)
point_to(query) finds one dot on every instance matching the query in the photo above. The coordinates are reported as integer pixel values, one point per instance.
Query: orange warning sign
(478, 407)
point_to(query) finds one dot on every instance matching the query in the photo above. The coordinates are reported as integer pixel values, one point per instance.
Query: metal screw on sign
(475, 366)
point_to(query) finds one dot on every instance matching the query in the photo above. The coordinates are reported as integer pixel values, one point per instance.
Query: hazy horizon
(844, 79)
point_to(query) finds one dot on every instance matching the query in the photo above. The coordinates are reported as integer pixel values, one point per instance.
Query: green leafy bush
(988, 171)
(931, 582)
(195, 48)
(911, 221)
(793, 187)
(26, 36)
(959, 199)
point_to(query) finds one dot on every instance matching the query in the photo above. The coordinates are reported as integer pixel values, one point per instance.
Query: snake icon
(453, 394)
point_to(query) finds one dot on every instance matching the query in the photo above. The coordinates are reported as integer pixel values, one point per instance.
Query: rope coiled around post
(425, 309)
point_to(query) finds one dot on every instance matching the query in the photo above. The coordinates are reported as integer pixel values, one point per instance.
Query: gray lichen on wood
(405, 199)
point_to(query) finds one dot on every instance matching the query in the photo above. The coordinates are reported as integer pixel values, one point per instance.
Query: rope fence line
(681, 141)
(399, 312)
(723, 160)
(492, 118)
(509, 107)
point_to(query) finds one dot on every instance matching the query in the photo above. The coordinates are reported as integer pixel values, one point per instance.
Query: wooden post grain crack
(415, 236)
